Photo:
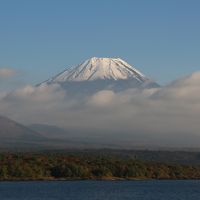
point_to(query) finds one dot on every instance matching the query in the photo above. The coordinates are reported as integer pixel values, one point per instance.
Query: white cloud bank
(168, 116)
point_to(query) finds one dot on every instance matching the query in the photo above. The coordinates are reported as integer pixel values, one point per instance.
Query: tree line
(28, 166)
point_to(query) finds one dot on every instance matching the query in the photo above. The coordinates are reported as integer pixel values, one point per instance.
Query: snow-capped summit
(97, 74)
(98, 69)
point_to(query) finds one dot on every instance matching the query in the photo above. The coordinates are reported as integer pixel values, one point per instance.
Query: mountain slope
(101, 74)
(13, 134)
(100, 68)
(49, 131)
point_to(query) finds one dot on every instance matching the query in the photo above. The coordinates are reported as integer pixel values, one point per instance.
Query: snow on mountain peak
(99, 69)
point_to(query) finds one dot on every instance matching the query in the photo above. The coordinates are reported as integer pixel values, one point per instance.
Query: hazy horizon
(159, 116)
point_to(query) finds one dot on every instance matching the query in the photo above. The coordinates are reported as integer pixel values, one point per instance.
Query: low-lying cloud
(162, 117)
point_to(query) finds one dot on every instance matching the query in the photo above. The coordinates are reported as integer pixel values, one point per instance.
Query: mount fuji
(97, 74)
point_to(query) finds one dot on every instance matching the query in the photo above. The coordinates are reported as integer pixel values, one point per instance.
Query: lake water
(100, 190)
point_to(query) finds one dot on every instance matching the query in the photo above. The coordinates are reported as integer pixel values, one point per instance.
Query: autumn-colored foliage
(59, 166)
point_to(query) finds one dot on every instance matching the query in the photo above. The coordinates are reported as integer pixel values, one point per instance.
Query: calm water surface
(100, 190)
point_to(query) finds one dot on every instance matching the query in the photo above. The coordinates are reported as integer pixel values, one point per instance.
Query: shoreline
(95, 179)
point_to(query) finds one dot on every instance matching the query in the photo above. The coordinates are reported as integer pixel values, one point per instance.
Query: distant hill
(16, 135)
(49, 131)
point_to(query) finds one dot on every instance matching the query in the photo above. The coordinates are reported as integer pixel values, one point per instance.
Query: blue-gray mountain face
(14, 135)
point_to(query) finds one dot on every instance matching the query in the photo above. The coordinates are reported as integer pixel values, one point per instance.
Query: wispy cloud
(7, 73)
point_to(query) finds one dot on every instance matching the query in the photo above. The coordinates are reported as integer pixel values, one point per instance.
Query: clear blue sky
(40, 38)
